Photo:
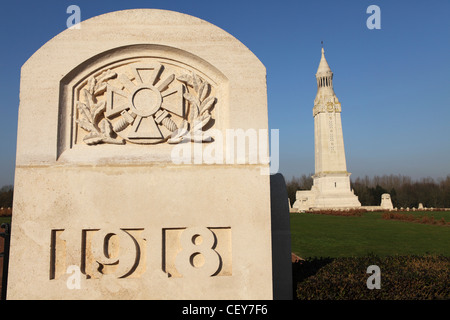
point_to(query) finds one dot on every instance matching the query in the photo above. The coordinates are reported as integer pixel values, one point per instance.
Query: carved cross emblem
(139, 106)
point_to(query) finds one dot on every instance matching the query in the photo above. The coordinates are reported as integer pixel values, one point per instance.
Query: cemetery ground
(414, 258)
(316, 235)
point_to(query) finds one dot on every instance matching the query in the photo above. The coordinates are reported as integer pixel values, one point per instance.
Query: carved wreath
(141, 111)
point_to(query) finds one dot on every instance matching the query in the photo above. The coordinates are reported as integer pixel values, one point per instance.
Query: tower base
(329, 191)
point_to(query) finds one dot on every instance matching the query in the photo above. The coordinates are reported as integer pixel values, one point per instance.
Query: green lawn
(315, 235)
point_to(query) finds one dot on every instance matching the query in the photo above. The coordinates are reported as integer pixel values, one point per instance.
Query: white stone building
(331, 188)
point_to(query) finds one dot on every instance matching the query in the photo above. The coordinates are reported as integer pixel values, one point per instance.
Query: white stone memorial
(386, 202)
(331, 181)
(109, 201)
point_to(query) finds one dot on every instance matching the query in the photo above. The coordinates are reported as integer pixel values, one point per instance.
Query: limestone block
(304, 200)
(101, 209)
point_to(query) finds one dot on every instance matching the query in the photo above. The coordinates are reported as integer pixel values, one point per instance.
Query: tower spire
(324, 68)
(324, 76)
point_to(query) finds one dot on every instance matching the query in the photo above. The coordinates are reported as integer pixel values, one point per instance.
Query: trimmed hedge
(402, 278)
(342, 213)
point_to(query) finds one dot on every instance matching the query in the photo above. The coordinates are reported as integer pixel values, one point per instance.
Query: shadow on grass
(303, 269)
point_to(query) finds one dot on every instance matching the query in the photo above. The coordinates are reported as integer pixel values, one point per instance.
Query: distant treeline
(6, 197)
(405, 192)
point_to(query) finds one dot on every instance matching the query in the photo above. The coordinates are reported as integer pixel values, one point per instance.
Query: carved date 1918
(123, 252)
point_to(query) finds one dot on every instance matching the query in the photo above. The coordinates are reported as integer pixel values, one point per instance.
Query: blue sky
(393, 83)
